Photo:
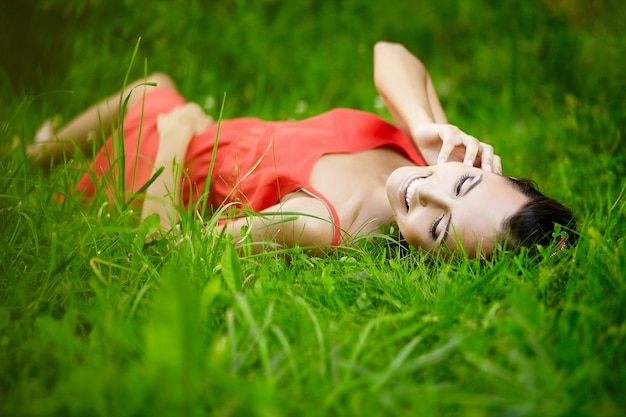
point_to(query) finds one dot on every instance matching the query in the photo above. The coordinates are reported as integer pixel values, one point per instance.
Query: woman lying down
(347, 173)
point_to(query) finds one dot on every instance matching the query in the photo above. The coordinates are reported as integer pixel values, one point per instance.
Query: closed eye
(434, 226)
(462, 181)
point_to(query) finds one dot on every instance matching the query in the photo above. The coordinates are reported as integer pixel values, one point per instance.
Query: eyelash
(459, 184)
(433, 227)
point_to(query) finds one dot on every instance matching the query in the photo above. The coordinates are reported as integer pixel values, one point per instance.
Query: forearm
(176, 130)
(403, 83)
(163, 195)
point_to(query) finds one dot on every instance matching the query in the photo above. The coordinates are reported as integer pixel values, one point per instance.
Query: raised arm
(406, 88)
(408, 92)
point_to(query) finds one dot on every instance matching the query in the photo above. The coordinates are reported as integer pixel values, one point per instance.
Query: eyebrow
(478, 181)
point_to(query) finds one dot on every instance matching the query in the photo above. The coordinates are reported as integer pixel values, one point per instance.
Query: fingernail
(469, 162)
(441, 161)
(487, 167)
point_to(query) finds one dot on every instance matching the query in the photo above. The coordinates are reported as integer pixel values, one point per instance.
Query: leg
(75, 135)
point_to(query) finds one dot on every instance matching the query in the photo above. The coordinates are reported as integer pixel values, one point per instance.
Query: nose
(432, 194)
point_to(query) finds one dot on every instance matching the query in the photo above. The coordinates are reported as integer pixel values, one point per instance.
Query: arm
(408, 92)
(403, 83)
(176, 129)
(301, 221)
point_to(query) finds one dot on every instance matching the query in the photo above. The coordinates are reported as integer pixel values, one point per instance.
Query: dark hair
(534, 223)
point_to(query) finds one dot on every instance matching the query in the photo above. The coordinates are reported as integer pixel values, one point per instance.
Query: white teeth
(410, 191)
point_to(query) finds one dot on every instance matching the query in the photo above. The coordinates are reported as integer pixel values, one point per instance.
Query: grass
(94, 322)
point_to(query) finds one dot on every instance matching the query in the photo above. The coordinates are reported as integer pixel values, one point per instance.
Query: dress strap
(331, 209)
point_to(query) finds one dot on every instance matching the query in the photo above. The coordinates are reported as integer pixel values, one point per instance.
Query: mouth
(408, 189)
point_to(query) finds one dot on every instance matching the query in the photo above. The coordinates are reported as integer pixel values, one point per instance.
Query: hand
(177, 128)
(441, 143)
(189, 119)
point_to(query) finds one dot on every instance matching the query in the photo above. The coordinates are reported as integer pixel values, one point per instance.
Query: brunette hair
(534, 223)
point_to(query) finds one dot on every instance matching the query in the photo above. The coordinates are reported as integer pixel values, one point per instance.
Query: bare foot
(45, 133)
(45, 147)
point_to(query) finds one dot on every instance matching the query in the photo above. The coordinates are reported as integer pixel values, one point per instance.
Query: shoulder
(313, 219)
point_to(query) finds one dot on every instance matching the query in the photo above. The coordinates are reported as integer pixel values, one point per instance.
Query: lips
(409, 188)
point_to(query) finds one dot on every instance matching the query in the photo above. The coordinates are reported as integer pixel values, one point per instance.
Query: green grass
(94, 322)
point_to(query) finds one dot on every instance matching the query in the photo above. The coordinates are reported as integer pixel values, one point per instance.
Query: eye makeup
(460, 183)
(433, 227)
(466, 177)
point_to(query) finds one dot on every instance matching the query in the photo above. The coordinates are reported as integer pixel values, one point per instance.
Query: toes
(45, 133)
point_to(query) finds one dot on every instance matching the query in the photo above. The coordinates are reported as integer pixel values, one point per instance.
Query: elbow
(387, 55)
(384, 47)
(380, 49)
(314, 234)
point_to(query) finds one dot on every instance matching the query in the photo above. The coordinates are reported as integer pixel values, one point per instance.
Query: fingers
(489, 161)
(451, 138)
(472, 147)
(192, 110)
(444, 153)
(458, 145)
(497, 165)
(189, 114)
(196, 117)
(486, 157)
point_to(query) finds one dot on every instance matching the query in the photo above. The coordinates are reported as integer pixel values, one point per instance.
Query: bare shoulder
(298, 220)
(313, 222)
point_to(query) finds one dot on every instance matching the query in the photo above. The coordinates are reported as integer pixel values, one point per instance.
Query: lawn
(95, 322)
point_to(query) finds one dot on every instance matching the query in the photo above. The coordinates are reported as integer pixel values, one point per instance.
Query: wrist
(173, 145)
(420, 117)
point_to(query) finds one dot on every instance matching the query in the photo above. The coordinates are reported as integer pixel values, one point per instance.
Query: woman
(345, 173)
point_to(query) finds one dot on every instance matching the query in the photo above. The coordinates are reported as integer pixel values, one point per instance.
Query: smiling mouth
(411, 188)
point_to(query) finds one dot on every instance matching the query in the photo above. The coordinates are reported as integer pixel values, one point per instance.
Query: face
(440, 205)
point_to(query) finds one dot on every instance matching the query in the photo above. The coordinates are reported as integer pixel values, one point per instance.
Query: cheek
(475, 240)
(410, 233)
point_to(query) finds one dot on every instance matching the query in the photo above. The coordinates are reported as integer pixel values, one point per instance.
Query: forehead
(478, 220)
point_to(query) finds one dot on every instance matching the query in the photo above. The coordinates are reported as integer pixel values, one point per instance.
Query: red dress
(256, 163)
